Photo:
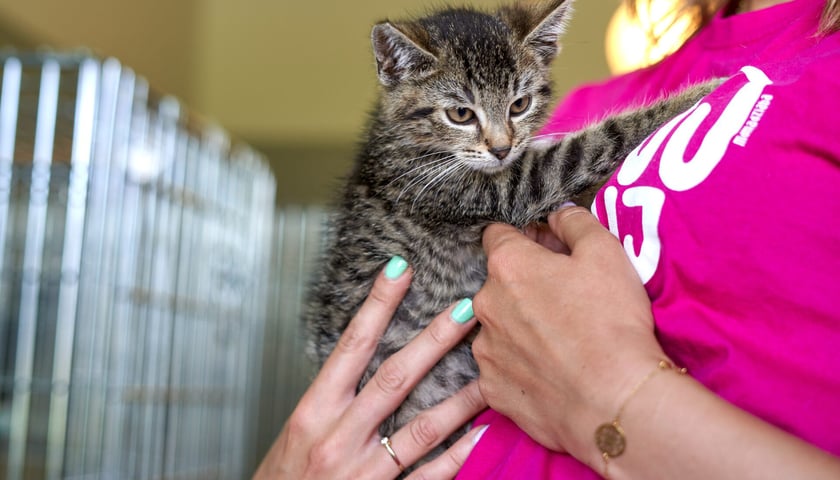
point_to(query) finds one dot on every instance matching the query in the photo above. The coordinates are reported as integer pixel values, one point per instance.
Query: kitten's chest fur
(447, 260)
(448, 264)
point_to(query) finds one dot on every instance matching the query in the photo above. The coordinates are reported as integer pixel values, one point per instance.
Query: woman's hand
(566, 328)
(567, 335)
(332, 432)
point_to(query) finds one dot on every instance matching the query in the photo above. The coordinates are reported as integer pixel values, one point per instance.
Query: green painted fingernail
(396, 267)
(463, 312)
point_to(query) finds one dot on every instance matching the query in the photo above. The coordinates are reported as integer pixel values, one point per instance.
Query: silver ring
(386, 442)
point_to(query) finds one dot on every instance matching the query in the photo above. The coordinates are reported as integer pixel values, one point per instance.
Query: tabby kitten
(450, 149)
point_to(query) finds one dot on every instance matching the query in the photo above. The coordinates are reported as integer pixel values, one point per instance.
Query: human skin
(333, 433)
(560, 353)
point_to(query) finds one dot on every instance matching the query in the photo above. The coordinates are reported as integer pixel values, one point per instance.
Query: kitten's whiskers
(410, 160)
(425, 165)
(441, 177)
(549, 135)
(431, 170)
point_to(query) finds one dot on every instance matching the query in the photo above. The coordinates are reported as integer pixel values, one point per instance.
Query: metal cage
(135, 279)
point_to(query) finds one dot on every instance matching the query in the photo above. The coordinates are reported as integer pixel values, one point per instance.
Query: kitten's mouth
(490, 164)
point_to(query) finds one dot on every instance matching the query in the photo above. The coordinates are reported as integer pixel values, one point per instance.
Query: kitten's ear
(399, 57)
(539, 26)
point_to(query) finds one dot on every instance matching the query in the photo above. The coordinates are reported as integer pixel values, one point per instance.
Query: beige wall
(156, 37)
(294, 78)
(286, 70)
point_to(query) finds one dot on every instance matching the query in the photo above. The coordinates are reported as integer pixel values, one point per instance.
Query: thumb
(575, 226)
(498, 235)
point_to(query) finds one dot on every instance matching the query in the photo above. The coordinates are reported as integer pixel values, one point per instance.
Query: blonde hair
(700, 12)
(830, 20)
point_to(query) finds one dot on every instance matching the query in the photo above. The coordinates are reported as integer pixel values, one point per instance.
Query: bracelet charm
(609, 437)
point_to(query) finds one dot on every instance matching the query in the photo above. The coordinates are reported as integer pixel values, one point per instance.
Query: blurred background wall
(294, 79)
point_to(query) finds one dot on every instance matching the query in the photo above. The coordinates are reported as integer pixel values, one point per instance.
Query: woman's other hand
(333, 432)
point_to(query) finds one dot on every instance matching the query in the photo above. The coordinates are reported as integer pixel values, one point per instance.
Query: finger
(573, 224)
(450, 462)
(498, 235)
(341, 372)
(401, 372)
(542, 234)
(433, 426)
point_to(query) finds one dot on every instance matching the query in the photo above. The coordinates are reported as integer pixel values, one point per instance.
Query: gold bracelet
(609, 437)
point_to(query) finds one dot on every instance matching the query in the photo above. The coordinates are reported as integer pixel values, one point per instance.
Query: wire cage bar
(135, 279)
(287, 371)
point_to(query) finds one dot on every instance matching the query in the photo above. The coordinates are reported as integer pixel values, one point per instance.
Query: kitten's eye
(519, 105)
(460, 115)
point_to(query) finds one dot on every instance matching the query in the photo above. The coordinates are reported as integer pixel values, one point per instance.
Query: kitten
(448, 150)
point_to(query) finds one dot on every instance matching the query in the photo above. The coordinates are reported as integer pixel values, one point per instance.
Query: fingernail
(479, 433)
(396, 267)
(568, 204)
(463, 312)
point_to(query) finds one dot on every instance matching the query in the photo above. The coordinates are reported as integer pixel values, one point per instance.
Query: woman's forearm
(676, 428)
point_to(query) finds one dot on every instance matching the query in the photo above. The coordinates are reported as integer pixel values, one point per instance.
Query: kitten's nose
(500, 152)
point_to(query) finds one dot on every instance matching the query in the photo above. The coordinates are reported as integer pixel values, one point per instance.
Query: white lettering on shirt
(752, 122)
(680, 174)
(677, 173)
(651, 199)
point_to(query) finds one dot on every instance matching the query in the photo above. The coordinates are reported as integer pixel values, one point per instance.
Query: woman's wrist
(631, 413)
(645, 412)
(704, 437)
(613, 389)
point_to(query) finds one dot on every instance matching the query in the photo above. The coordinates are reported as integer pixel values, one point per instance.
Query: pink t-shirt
(731, 216)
